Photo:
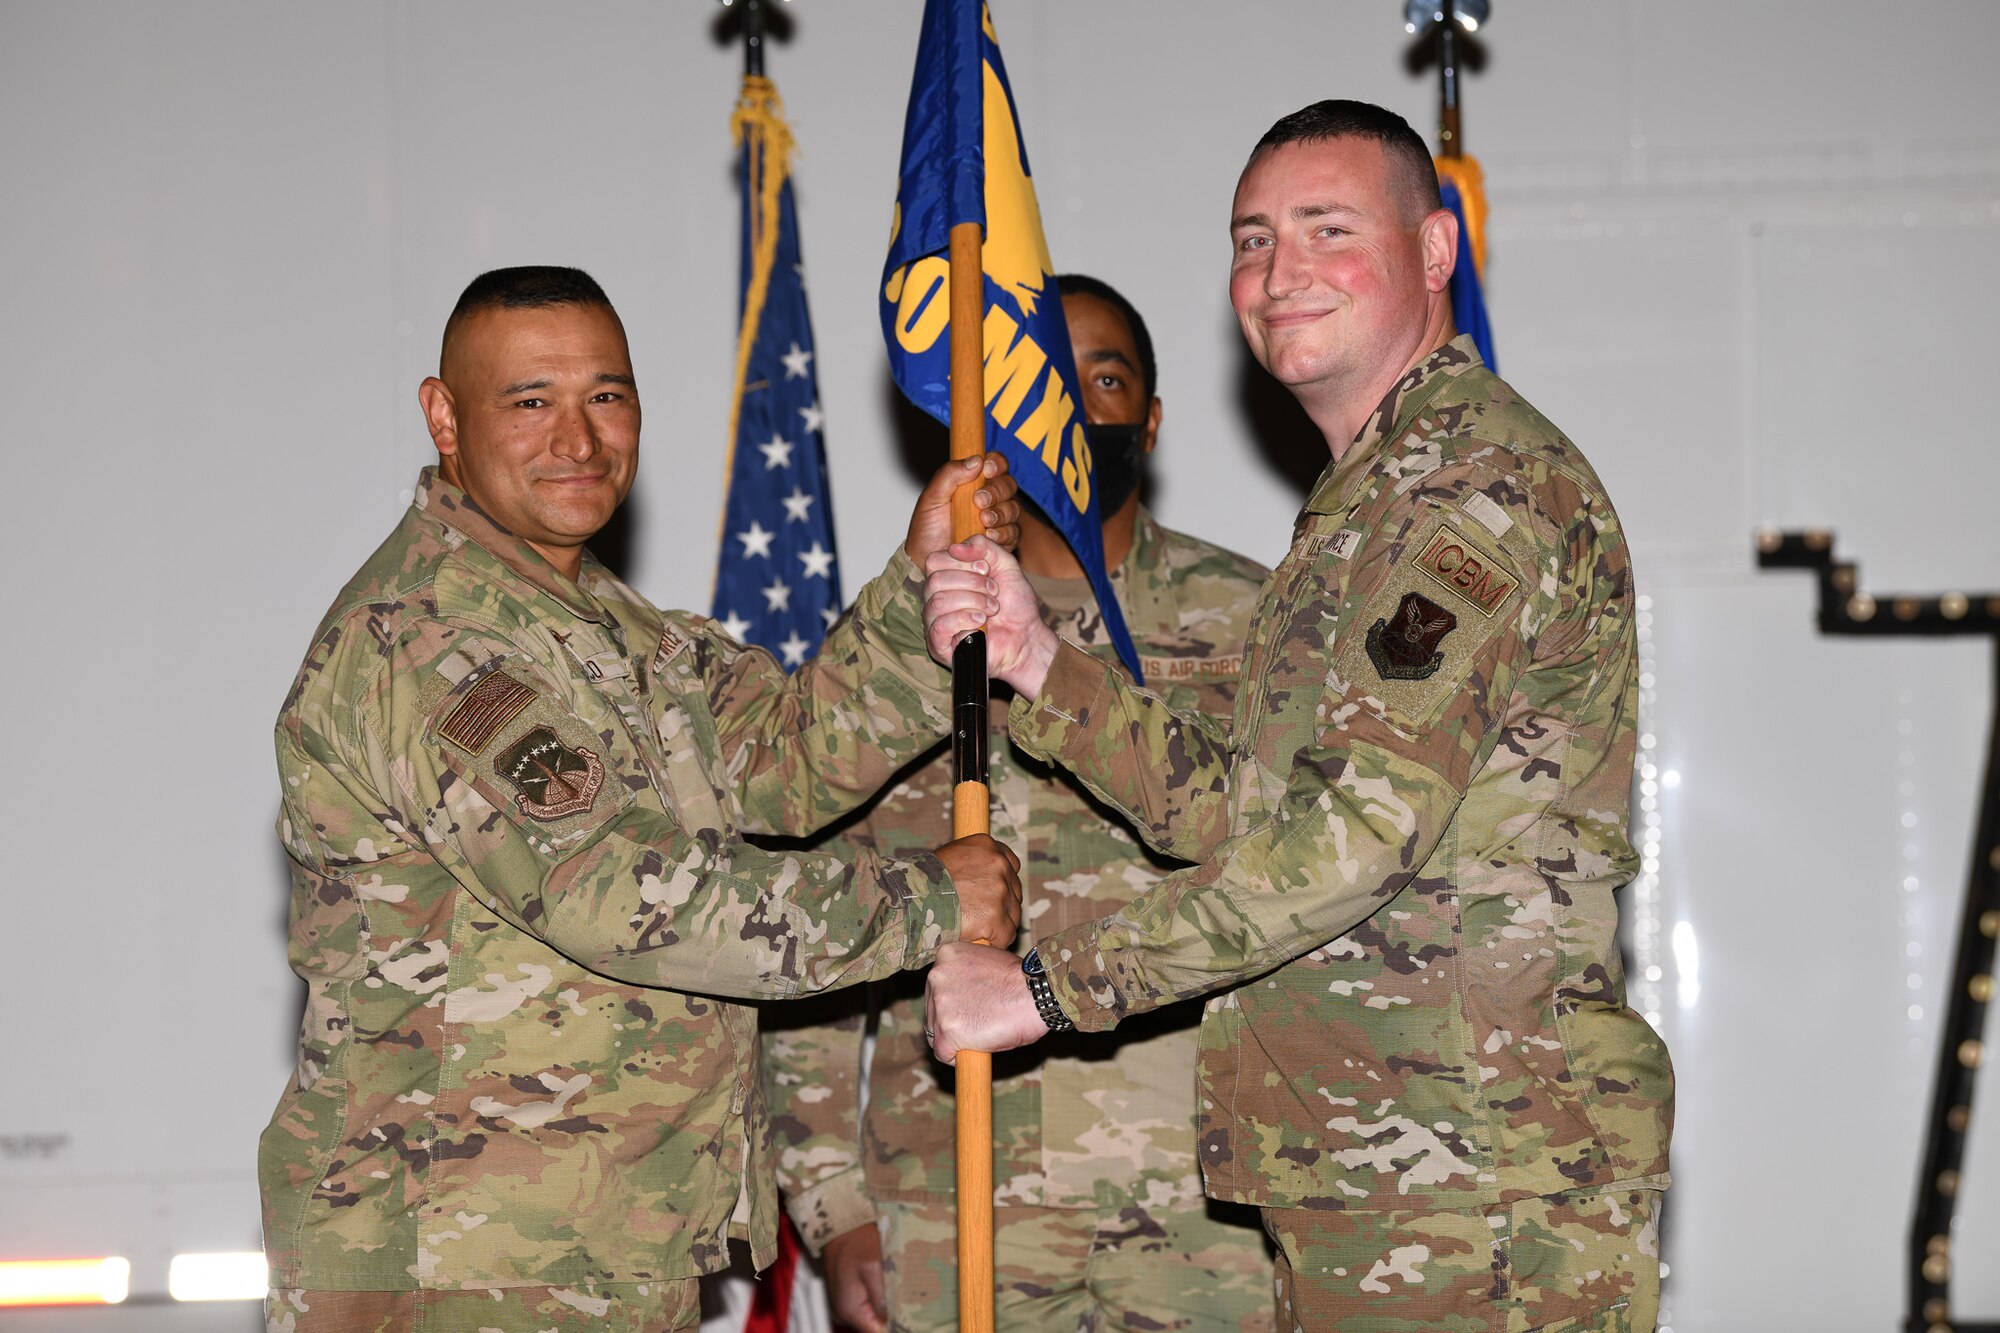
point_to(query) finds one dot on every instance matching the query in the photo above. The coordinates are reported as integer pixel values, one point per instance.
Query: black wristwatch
(1044, 993)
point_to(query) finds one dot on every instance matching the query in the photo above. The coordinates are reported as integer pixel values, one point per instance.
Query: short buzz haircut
(527, 287)
(1409, 156)
(1082, 284)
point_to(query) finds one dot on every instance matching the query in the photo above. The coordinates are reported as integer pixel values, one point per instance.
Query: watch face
(1032, 964)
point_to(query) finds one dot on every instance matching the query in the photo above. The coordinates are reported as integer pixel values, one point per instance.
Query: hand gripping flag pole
(964, 162)
(971, 807)
(968, 253)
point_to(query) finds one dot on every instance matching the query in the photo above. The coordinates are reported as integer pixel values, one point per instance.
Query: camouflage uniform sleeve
(550, 818)
(812, 1085)
(1371, 778)
(804, 749)
(812, 1071)
(1165, 769)
(813, 1066)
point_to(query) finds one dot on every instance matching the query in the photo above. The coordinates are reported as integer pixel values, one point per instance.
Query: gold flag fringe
(759, 121)
(1464, 173)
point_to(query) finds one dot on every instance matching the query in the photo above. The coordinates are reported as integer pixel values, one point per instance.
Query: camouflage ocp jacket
(512, 806)
(1083, 1123)
(1409, 836)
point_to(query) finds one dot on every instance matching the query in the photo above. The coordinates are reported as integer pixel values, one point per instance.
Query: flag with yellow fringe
(777, 582)
(1463, 186)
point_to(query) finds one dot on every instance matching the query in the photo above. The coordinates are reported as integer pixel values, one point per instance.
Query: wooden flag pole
(970, 802)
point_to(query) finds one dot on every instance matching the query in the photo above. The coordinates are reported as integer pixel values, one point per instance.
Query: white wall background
(1743, 251)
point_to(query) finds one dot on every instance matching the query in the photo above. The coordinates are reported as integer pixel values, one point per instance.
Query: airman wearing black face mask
(1080, 1230)
(1114, 361)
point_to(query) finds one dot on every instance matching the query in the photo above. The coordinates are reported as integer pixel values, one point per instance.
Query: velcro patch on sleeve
(1487, 511)
(1226, 666)
(1466, 569)
(489, 705)
(551, 780)
(1404, 646)
(1425, 622)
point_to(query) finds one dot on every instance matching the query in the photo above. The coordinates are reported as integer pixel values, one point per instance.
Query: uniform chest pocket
(1293, 645)
(691, 785)
(686, 740)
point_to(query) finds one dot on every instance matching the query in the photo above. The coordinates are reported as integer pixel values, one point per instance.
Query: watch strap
(1043, 993)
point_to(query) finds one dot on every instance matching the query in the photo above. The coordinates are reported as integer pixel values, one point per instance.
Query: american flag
(777, 581)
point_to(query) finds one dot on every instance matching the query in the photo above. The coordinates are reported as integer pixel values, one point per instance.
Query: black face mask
(1117, 452)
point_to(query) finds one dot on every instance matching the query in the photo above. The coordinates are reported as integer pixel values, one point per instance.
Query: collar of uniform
(458, 511)
(1398, 408)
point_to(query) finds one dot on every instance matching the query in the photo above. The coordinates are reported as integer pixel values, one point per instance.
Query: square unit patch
(553, 780)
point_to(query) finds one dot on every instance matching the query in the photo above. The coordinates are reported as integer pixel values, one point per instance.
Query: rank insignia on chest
(553, 779)
(1405, 646)
(672, 644)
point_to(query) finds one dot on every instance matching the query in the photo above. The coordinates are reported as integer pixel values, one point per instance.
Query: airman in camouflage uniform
(512, 795)
(1411, 832)
(1100, 1220)
(1094, 1144)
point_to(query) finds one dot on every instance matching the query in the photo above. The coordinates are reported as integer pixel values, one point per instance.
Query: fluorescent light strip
(237, 1276)
(1648, 958)
(64, 1281)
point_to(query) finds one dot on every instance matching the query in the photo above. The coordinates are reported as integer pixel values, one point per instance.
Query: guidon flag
(964, 160)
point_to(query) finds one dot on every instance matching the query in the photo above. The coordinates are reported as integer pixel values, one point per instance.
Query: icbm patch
(1464, 569)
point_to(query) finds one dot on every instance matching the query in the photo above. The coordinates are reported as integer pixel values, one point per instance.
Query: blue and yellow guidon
(964, 160)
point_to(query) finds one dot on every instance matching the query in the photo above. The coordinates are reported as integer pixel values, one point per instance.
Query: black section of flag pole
(968, 709)
(1845, 609)
(753, 38)
(1449, 142)
(1448, 57)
